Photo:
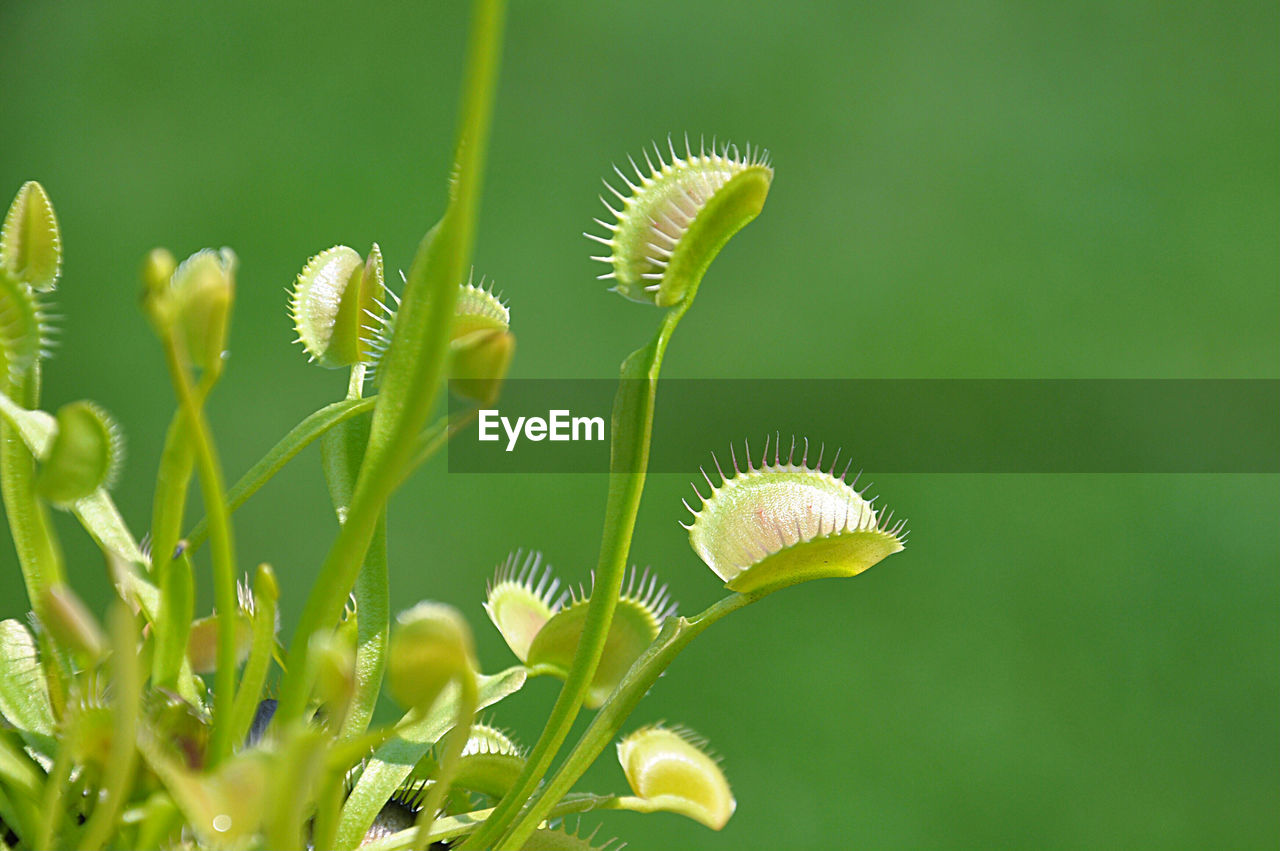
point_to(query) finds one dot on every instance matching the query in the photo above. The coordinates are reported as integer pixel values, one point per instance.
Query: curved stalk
(633, 410)
(266, 593)
(224, 567)
(328, 806)
(54, 786)
(172, 575)
(127, 682)
(301, 755)
(342, 451)
(468, 701)
(39, 554)
(415, 362)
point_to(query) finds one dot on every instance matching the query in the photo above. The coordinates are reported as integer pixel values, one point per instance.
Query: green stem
(173, 573)
(373, 631)
(33, 538)
(54, 785)
(299, 438)
(224, 568)
(266, 594)
(416, 359)
(20, 791)
(123, 758)
(173, 576)
(342, 451)
(450, 759)
(328, 808)
(633, 410)
(675, 635)
(301, 755)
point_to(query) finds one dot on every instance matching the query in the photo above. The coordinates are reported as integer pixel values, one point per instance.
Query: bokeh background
(1083, 189)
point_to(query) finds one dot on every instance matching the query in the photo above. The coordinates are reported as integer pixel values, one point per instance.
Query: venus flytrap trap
(671, 770)
(163, 730)
(544, 630)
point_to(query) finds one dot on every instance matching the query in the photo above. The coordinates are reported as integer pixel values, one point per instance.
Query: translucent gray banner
(883, 425)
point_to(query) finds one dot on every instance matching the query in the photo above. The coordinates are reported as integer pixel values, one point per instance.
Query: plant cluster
(155, 728)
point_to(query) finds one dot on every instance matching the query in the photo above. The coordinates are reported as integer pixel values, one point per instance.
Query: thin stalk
(172, 575)
(675, 635)
(20, 791)
(39, 554)
(633, 411)
(223, 549)
(54, 786)
(265, 596)
(373, 632)
(328, 808)
(171, 570)
(34, 539)
(302, 753)
(123, 758)
(342, 450)
(416, 359)
(450, 759)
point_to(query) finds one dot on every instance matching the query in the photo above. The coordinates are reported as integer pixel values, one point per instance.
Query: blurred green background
(1084, 189)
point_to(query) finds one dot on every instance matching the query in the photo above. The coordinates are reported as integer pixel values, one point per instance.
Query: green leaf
(24, 695)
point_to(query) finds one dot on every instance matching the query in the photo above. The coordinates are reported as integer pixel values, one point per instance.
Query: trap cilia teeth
(780, 522)
(478, 314)
(675, 217)
(337, 305)
(543, 628)
(344, 315)
(490, 763)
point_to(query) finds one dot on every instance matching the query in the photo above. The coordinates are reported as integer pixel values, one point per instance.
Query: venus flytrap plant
(158, 731)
